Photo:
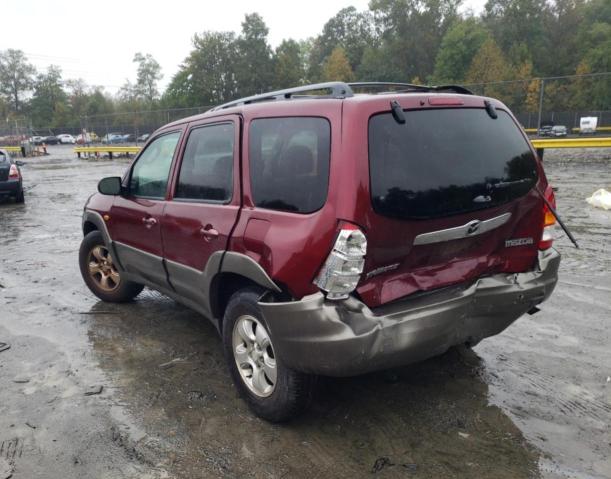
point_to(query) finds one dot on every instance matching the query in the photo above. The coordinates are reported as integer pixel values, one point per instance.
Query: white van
(587, 125)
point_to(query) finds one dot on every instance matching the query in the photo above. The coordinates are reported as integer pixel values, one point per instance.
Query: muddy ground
(534, 401)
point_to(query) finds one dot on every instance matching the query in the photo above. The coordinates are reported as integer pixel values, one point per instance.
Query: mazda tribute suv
(332, 229)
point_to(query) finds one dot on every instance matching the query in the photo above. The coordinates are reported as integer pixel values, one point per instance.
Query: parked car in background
(51, 140)
(545, 129)
(66, 139)
(335, 236)
(37, 140)
(11, 182)
(128, 138)
(558, 130)
(587, 125)
(144, 137)
(111, 138)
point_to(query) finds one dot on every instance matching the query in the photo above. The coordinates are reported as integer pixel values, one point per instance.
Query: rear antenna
(491, 110)
(397, 112)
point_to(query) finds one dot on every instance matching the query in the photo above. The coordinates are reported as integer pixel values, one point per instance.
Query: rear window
(444, 162)
(289, 163)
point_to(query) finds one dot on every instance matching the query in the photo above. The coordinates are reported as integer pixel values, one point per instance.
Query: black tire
(118, 291)
(20, 198)
(292, 392)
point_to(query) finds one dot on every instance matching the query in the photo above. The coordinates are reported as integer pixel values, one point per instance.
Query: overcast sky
(97, 41)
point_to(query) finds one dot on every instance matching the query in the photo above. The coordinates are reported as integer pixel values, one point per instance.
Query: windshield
(442, 162)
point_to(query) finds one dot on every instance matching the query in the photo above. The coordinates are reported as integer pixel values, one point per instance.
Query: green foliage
(412, 31)
(254, 65)
(377, 65)
(288, 65)
(520, 21)
(49, 104)
(16, 77)
(209, 74)
(349, 29)
(458, 47)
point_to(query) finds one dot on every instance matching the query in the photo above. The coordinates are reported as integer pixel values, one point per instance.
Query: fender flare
(90, 216)
(237, 263)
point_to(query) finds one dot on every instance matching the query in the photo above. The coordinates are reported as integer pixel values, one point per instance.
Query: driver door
(136, 216)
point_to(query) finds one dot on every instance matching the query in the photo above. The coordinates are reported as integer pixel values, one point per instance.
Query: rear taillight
(549, 220)
(13, 173)
(342, 270)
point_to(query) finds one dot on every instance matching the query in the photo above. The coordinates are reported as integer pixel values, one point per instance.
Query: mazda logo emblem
(473, 227)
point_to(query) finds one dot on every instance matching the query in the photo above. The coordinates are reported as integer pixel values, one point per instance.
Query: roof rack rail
(341, 90)
(336, 90)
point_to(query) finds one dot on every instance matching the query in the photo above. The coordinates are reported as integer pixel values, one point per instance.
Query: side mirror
(110, 186)
(19, 163)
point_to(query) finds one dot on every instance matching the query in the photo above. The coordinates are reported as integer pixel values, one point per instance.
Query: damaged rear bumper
(344, 338)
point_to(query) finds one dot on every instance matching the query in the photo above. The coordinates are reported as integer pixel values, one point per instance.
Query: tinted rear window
(289, 163)
(446, 162)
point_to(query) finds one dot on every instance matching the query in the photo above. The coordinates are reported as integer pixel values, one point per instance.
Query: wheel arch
(93, 221)
(235, 271)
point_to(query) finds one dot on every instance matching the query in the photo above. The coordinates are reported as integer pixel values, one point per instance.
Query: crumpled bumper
(344, 338)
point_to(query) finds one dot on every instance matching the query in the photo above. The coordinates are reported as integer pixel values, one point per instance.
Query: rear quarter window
(289, 163)
(443, 162)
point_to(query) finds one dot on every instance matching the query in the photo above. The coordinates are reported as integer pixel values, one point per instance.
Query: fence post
(541, 90)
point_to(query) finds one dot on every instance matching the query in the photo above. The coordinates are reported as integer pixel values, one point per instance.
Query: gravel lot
(534, 401)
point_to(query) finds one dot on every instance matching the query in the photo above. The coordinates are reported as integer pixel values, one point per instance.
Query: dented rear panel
(444, 198)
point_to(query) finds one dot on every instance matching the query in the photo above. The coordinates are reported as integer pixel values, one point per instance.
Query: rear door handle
(149, 222)
(209, 233)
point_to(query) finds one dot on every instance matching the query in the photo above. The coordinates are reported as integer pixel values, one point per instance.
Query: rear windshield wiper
(506, 184)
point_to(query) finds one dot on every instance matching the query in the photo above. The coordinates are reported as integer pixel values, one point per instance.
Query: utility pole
(541, 90)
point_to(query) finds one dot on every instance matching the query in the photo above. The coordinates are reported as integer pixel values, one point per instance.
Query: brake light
(13, 173)
(342, 270)
(445, 100)
(549, 220)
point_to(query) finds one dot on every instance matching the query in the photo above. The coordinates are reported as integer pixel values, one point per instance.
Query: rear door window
(206, 173)
(443, 162)
(289, 163)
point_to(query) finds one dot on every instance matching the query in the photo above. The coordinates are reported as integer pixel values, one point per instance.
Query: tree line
(417, 41)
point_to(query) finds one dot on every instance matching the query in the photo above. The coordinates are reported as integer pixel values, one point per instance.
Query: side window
(206, 172)
(289, 163)
(149, 176)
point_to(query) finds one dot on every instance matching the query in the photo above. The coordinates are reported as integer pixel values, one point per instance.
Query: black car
(51, 140)
(11, 183)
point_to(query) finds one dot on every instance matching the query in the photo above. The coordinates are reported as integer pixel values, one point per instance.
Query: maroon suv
(329, 232)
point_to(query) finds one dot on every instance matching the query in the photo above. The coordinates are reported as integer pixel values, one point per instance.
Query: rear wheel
(101, 274)
(19, 198)
(273, 391)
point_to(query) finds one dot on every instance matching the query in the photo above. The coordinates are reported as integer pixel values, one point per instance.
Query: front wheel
(100, 272)
(273, 391)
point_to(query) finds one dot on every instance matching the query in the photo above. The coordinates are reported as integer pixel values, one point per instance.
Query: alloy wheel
(254, 355)
(102, 269)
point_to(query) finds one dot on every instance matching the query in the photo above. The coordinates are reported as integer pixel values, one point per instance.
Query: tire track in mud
(11, 448)
(556, 391)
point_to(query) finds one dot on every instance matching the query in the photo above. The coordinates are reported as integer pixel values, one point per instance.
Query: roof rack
(335, 89)
(341, 90)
